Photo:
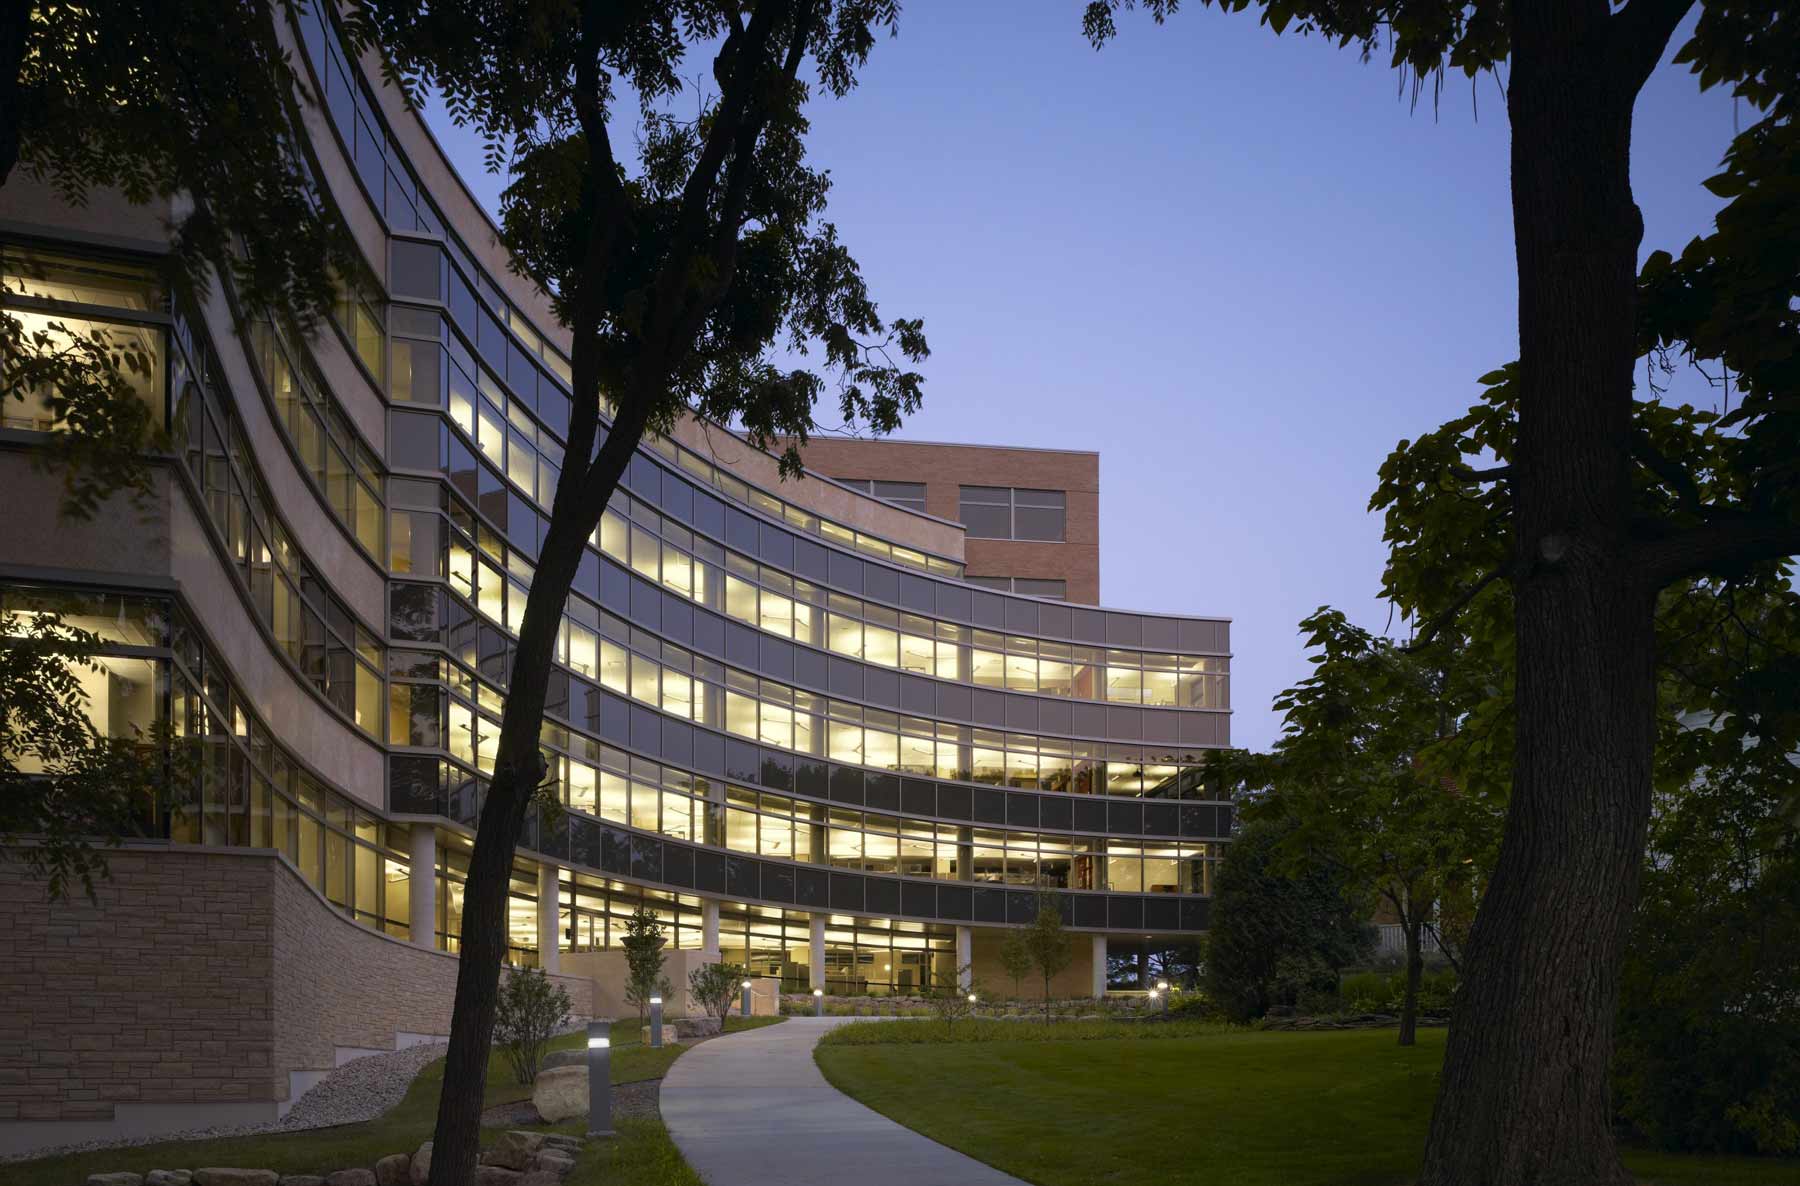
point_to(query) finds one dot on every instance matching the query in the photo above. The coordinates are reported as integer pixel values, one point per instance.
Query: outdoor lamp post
(744, 1001)
(818, 1002)
(655, 1021)
(1154, 996)
(1162, 986)
(599, 1063)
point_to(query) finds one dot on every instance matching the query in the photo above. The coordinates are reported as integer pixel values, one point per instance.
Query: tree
(1388, 774)
(1047, 943)
(951, 998)
(644, 959)
(716, 986)
(531, 1009)
(674, 275)
(1015, 957)
(1524, 1092)
(1275, 931)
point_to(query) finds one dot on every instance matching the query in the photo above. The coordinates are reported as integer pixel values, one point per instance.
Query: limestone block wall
(1076, 980)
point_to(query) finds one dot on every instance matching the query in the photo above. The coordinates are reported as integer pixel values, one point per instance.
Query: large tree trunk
(1525, 1095)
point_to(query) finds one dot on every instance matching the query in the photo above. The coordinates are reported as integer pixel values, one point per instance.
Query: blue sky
(1241, 267)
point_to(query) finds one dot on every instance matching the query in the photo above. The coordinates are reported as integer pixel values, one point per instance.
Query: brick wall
(199, 976)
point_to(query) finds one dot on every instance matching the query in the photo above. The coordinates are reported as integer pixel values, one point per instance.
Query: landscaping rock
(565, 1142)
(514, 1150)
(554, 1160)
(302, 1180)
(352, 1177)
(227, 1176)
(118, 1179)
(394, 1170)
(419, 1172)
(495, 1175)
(169, 1178)
(561, 1094)
(540, 1178)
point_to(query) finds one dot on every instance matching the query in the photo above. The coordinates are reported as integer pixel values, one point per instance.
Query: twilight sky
(1239, 266)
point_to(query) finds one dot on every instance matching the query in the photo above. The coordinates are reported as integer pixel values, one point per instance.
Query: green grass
(641, 1155)
(401, 1130)
(982, 1029)
(1344, 1108)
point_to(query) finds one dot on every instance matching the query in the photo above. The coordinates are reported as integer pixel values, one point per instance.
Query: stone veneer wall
(201, 976)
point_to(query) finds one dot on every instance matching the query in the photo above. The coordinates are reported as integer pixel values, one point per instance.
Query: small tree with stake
(644, 959)
(953, 995)
(1048, 943)
(1015, 957)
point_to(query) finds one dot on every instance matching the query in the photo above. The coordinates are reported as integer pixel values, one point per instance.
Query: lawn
(1250, 1108)
(643, 1153)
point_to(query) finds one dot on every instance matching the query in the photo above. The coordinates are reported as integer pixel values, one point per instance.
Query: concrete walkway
(751, 1109)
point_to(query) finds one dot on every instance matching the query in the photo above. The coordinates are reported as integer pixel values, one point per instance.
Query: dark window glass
(415, 269)
(415, 440)
(1039, 514)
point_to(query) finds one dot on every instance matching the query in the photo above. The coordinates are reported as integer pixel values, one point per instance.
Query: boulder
(393, 1170)
(419, 1171)
(561, 1094)
(119, 1179)
(229, 1176)
(351, 1177)
(564, 1141)
(495, 1175)
(514, 1150)
(554, 1160)
(169, 1178)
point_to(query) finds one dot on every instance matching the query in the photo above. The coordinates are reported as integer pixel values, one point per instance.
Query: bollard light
(972, 998)
(818, 1002)
(599, 1063)
(744, 1003)
(655, 1022)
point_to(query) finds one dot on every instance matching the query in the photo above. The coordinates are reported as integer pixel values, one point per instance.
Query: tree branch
(1640, 33)
(1673, 476)
(1718, 548)
(1442, 619)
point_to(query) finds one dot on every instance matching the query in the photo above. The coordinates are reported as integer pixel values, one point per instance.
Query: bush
(1383, 992)
(716, 987)
(530, 1010)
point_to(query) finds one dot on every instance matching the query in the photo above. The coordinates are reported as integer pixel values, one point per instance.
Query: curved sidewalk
(752, 1109)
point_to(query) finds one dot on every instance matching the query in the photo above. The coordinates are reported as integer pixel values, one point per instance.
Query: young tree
(1015, 957)
(1379, 777)
(531, 1009)
(1524, 1092)
(951, 998)
(644, 959)
(675, 275)
(1048, 943)
(716, 986)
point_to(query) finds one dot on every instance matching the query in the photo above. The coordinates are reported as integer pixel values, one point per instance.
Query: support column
(549, 918)
(1099, 966)
(709, 927)
(965, 958)
(816, 954)
(422, 885)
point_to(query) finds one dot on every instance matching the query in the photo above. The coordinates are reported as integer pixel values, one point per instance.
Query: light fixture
(656, 1000)
(1162, 986)
(972, 998)
(746, 984)
(599, 1043)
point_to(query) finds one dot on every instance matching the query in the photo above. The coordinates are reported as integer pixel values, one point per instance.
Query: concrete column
(549, 918)
(1099, 966)
(816, 954)
(965, 957)
(709, 926)
(422, 885)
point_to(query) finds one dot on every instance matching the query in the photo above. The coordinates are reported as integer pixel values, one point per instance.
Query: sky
(1241, 267)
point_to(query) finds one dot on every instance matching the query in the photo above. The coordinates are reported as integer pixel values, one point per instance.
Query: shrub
(716, 986)
(1382, 992)
(530, 1010)
(949, 1000)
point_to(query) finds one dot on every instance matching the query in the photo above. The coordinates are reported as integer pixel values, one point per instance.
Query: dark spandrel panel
(1161, 634)
(678, 620)
(1020, 908)
(1124, 630)
(587, 574)
(741, 879)
(646, 858)
(883, 584)
(584, 842)
(709, 633)
(989, 903)
(1087, 625)
(646, 729)
(917, 695)
(490, 497)
(777, 547)
(846, 572)
(741, 531)
(462, 470)
(847, 892)
(1196, 914)
(846, 679)
(1125, 913)
(987, 609)
(954, 902)
(952, 602)
(1227, 812)
(415, 269)
(743, 761)
(1127, 818)
(1090, 815)
(1197, 819)
(709, 871)
(615, 588)
(1022, 616)
(811, 562)
(1089, 910)
(778, 659)
(1125, 724)
(1053, 621)
(882, 791)
(1205, 636)
(615, 719)
(523, 523)
(881, 895)
(415, 785)
(953, 802)
(1162, 913)
(777, 770)
(413, 439)
(1161, 819)
(918, 898)
(777, 881)
(918, 797)
(811, 669)
(988, 708)
(1055, 716)
(741, 646)
(988, 807)
(615, 850)
(953, 703)
(1090, 719)
(678, 498)
(1021, 811)
(812, 887)
(917, 593)
(881, 686)
(678, 865)
(812, 778)
(709, 515)
(1022, 714)
(1054, 812)
(847, 785)
(709, 752)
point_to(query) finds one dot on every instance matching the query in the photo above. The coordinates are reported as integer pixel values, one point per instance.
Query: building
(794, 719)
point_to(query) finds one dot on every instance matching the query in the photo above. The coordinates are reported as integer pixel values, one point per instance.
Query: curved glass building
(840, 730)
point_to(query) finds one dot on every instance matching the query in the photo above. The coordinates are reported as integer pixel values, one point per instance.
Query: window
(910, 495)
(1001, 512)
(1028, 586)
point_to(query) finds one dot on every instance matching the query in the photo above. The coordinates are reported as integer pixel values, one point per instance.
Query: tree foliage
(644, 959)
(532, 1008)
(1047, 943)
(1014, 956)
(716, 986)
